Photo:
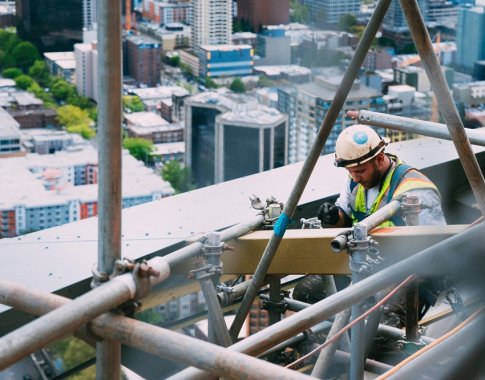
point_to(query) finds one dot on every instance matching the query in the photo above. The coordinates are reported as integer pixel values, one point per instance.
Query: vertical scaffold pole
(447, 106)
(108, 353)
(310, 162)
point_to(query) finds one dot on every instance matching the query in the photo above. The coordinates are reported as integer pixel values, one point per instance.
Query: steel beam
(308, 251)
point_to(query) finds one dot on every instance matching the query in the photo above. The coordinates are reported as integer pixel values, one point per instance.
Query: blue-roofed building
(225, 60)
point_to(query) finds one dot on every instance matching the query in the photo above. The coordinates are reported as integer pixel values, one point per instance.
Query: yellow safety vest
(410, 179)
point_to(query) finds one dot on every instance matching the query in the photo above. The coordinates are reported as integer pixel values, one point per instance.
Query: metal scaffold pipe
(152, 339)
(406, 124)
(447, 106)
(181, 255)
(64, 320)
(436, 260)
(310, 162)
(110, 80)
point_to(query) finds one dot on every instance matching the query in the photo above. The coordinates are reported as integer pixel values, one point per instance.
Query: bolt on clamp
(311, 223)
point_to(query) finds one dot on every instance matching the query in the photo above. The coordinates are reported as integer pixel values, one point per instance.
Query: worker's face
(366, 174)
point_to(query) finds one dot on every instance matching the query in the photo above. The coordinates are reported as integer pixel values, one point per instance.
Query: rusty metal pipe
(310, 162)
(448, 109)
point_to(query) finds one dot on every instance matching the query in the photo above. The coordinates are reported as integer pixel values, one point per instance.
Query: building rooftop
(9, 127)
(168, 148)
(21, 178)
(145, 119)
(225, 47)
(280, 69)
(159, 92)
(60, 56)
(326, 89)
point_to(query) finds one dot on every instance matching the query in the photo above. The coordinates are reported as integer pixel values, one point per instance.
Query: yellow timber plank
(309, 252)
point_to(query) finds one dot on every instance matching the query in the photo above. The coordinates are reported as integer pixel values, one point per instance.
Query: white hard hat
(357, 144)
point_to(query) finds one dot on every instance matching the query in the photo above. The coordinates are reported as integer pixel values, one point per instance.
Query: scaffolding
(116, 282)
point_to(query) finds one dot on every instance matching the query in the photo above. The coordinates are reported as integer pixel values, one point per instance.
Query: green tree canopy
(62, 90)
(238, 86)
(25, 54)
(178, 176)
(209, 83)
(11, 73)
(23, 81)
(346, 22)
(299, 12)
(40, 72)
(85, 131)
(139, 148)
(174, 61)
(45, 96)
(70, 115)
(8, 40)
(133, 103)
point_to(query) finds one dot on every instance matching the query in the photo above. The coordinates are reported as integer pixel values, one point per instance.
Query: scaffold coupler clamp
(212, 250)
(274, 307)
(225, 294)
(363, 250)
(411, 206)
(456, 303)
(310, 223)
(271, 211)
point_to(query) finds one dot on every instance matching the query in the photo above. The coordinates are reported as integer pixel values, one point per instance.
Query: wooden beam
(308, 251)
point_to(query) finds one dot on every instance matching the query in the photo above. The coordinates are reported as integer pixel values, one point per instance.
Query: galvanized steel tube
(64, 320)
(110, 81)
(327, 353)
(311, 160)
(152, 339)
(436, 77)
(406, 124)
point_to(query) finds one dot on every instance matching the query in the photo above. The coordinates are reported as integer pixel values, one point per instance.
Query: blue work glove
(328, 213)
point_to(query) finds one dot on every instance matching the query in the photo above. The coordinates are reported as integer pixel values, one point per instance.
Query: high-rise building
(229, 136)
(470, 43)
(143, 58)
(52, 25)
(211, 22)
(395, 27)
(329, 12)
(225, 60)
(306, 106)
(86, 56)
(259, 13)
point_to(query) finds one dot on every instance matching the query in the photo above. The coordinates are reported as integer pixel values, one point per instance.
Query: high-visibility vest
(400, 179)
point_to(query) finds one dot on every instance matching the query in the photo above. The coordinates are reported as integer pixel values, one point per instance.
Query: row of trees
(21, 61)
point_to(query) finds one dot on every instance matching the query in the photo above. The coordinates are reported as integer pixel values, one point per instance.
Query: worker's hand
(328, 214)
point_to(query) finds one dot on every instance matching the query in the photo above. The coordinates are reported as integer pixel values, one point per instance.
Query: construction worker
(376, 178)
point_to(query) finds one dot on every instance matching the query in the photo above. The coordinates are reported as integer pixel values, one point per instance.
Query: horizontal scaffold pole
(64, 320)
(153, 339)
(406, 124)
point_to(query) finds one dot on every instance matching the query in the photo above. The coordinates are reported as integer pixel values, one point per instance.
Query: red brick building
(144, 60)
(263, 12)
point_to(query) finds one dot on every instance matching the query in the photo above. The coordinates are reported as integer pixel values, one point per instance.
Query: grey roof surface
(326, 93)
(55, 258)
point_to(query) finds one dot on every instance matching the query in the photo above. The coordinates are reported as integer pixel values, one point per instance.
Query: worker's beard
(375, 180)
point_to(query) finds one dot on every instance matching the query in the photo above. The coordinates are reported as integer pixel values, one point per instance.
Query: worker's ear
(380, 159)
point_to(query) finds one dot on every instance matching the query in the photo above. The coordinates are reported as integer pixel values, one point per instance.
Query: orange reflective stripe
(408, 184)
